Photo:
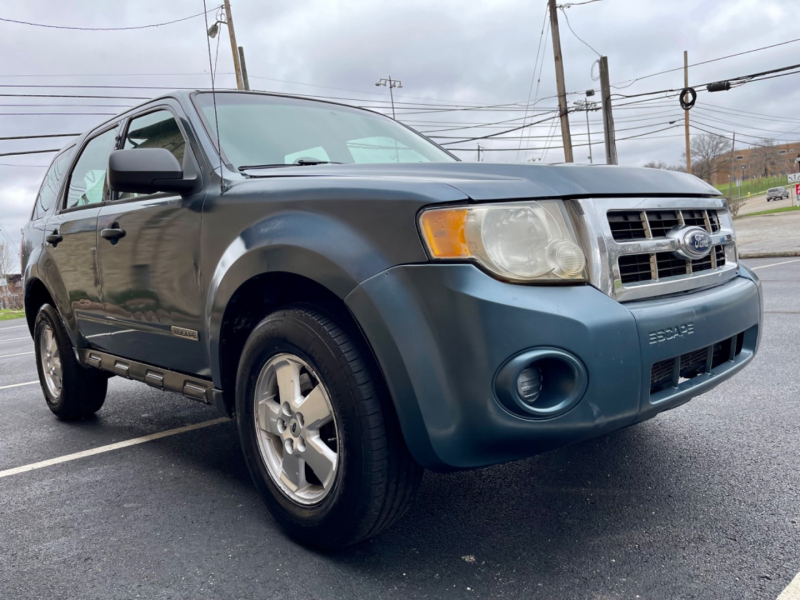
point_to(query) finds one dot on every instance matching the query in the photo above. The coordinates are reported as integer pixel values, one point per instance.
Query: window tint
(87, 184)
(259, 129)
(156, 130)
(51, 184)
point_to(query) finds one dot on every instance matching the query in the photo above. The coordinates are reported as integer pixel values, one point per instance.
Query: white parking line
(5, 387)
(786, 262)
(14, 327)
(792, 592)
(20, 354)
(110, 447)
(14, 339)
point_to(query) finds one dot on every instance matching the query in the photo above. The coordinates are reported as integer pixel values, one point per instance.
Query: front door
(70, 264)
(149, 266)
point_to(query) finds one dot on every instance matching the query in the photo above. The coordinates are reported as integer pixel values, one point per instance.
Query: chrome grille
(661, 222)
(632, 247)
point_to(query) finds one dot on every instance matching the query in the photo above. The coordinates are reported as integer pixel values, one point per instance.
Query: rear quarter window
(51, 185)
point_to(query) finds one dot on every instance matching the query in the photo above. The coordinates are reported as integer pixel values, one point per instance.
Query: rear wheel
(318, 430)
(71, 391)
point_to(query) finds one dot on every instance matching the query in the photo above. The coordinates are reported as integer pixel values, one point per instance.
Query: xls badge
(670, 333)
(189, 334)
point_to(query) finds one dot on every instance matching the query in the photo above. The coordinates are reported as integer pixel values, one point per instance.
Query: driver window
(155, 130)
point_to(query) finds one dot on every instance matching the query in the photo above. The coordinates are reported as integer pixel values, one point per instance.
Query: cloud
(449, 51)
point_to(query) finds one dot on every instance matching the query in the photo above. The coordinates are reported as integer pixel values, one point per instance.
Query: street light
(391, 83)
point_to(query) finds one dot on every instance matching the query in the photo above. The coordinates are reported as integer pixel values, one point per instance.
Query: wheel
(318, 430)
(71, 391)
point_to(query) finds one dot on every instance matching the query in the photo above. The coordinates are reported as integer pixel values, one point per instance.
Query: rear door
(70, 263)
(150, 274)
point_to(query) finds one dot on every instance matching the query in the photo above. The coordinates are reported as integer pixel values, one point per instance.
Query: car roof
(184, 96)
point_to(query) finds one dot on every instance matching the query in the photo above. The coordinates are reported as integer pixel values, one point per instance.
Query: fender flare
(316, 246)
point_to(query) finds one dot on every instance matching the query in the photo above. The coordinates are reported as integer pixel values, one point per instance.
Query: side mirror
(147, 171)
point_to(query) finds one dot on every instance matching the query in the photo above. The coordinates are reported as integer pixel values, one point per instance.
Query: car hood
(499, 181)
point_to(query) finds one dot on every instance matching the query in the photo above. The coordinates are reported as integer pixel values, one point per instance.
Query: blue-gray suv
(367, 306)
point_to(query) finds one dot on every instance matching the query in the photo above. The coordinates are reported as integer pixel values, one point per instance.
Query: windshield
(272, 130)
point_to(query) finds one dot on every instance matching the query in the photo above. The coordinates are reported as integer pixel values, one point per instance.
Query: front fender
(316, 246)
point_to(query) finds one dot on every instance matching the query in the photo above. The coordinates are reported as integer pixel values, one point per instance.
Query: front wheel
(71, 391)
(318, 431)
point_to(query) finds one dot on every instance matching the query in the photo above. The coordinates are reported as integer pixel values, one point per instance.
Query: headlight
(520, 241)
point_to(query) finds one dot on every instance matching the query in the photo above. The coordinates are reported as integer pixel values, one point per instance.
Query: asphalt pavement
(701, 502)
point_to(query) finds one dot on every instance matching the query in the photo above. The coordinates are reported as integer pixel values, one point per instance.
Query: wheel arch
(253, 300)
(36, 296)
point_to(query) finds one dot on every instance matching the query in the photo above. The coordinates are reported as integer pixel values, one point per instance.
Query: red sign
(797, 190)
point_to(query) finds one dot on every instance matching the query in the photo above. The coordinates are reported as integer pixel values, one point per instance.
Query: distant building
(752, 163)
(11, 292)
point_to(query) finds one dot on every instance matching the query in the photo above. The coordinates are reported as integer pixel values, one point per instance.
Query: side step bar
(195, 388)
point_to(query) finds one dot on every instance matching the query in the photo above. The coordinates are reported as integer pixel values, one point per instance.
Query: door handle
(113, 233)
(54, 238)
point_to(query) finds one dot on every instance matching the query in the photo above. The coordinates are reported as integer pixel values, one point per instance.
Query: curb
(779, 254)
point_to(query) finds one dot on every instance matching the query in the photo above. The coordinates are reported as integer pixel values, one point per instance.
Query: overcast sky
(455, 52)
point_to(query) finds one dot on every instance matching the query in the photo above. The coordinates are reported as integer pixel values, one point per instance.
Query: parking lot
(701, 502)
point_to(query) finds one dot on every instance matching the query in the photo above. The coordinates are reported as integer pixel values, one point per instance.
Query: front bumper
(441, 333)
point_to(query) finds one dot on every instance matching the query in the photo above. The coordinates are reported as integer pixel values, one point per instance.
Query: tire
(77, 392)
(374, 478)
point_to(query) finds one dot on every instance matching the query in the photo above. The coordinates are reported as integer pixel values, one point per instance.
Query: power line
(630, 137)
(580, 39)
(32, 166)
(535, 67)
(734, 81)
(58, 114)
(705, 62)
(29, 152)
(494, 135)
(33, 137)
(74, 96)
(48, 26)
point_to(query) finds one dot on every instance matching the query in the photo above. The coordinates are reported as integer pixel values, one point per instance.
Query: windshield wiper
(299, 163)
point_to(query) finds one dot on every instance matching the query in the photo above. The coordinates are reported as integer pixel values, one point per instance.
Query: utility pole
(730, 177)
(245, 80)
(686, 112)
(586, 106)
(562, 90)
(479, 153)
(608, 117)
(391, 83)
(237, 67)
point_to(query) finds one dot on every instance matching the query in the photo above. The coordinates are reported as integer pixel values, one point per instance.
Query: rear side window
(87, 185)
(51, 184)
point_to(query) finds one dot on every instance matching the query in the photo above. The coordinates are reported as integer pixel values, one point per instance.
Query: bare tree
(660, 164)
(765, 158)
(656, 164)
(708, 152)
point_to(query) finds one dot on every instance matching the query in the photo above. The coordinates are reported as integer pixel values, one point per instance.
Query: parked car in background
(364, 304)
(777, 193)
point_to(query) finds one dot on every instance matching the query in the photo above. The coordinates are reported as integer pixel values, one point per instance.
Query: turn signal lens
(444, 232)
(520, 241)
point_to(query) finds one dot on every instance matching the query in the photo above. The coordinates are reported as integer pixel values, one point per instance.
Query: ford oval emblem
(695, 243)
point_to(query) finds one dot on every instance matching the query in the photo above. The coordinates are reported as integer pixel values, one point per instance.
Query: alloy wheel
(296, 429)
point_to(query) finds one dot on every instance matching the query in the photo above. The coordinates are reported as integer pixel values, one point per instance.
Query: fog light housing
(541, 383)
